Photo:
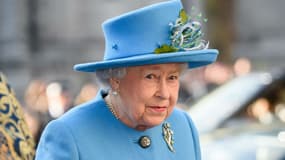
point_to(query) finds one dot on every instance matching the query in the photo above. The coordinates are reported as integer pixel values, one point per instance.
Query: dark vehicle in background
(241, 119)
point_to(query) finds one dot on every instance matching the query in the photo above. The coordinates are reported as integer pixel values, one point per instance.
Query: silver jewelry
(168, 136)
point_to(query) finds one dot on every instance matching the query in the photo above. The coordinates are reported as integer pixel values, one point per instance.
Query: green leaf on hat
(165, 49)
(183, 15)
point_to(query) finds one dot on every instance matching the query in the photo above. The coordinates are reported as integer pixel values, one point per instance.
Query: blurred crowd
(44, 102)
(196, 83)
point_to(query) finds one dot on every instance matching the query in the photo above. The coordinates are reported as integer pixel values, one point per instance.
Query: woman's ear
(115, 84)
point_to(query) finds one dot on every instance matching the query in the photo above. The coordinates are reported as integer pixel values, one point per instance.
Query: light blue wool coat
(91, 132)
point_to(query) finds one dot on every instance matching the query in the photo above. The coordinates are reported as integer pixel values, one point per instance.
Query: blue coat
(91, 132)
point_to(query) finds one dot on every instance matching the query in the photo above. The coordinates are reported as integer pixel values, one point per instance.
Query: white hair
(103, 76)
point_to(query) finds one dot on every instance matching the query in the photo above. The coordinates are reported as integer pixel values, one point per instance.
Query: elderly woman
(134, 114)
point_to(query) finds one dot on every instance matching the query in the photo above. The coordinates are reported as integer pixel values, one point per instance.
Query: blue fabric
(91, 132)
(131, 39)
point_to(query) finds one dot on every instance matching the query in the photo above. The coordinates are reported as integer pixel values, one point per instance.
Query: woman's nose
(162, 90)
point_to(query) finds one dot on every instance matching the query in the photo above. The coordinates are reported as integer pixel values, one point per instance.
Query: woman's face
(147, 94)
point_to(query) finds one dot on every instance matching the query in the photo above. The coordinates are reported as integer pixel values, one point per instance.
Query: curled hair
(103, 76)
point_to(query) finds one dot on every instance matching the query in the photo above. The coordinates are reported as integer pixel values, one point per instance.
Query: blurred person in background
(197, 83)
(35, 96)
(87, 92)
(59, 98)
(16, 141)
(45, 102)
(133, 115)
(36, 107)
(242, 66)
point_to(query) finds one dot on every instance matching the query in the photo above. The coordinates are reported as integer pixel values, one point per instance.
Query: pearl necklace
(111, 106)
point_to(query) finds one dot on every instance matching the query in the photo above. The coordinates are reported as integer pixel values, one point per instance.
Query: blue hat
(156, 34)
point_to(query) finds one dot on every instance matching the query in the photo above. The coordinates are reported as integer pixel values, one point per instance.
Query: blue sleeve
(195, 137)
(57, 143)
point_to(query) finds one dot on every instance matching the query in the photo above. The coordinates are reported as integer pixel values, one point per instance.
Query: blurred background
(41, 40)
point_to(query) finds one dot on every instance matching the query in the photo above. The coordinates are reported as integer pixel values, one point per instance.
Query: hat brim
(196, 58)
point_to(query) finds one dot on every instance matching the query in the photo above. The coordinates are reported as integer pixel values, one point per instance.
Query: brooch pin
(168, 136)
(185, 35)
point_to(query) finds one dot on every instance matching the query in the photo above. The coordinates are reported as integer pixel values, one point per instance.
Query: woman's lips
(158, 108)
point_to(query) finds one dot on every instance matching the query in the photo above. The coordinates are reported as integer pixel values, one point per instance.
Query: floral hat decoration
(156, 34)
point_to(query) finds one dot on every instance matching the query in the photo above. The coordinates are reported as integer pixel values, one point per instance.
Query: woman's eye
(173, 77)
(150, 76)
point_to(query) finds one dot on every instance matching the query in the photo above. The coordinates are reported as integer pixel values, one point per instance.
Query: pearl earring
(114, 93)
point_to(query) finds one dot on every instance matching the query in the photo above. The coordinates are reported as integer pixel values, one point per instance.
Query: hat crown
(156, 34)
(141, 31)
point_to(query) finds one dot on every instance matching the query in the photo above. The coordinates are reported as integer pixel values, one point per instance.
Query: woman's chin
(154, 121)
